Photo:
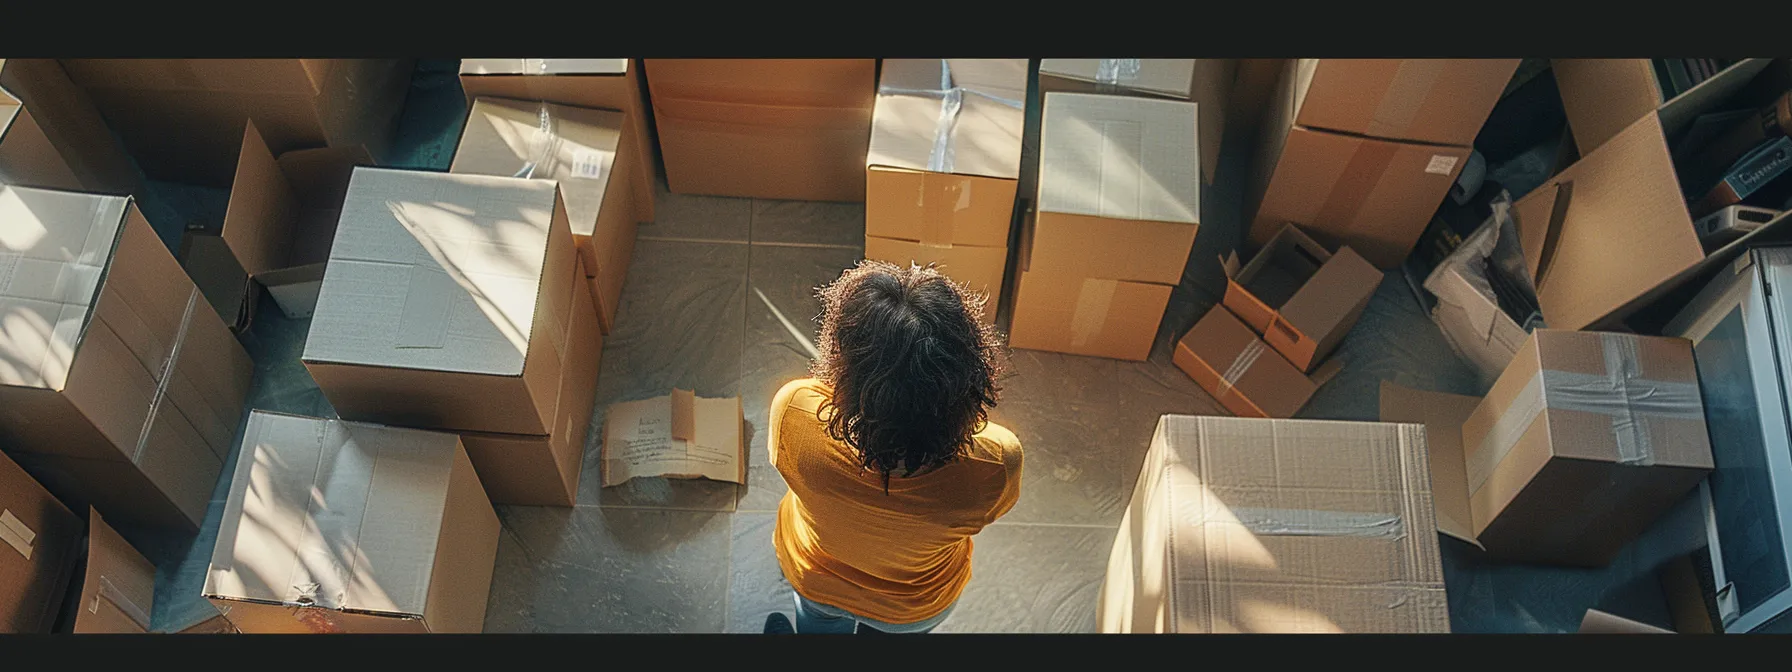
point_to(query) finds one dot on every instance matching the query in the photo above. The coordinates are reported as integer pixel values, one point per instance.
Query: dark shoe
(868, 630)
(778, 624)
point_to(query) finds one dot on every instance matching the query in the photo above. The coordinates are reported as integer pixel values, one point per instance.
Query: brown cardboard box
(1242, 372)
(1300, 297)
(183, 118)
(577, 147)
(71, 124)
(1277, 526)
(399, 535)
(1207, 82)
(443, 304)
(119, 388)
(1098, 317)
(940, 186)
(118, 593)
(1581, 444)
(600, 83)
(37, 552)
(1439, 101)
(27, 156)
(1604, 96)
(792, 129)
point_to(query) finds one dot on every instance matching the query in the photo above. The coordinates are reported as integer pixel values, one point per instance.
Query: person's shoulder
(803, 394)
(996, 443)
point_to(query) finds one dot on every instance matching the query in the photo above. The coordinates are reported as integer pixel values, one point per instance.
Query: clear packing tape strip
(1113, 72)
(1621, 393)
(111, 593)
(1241, 365)
(939, 160)
(194, 300)
(546, 144)
(1315, 523)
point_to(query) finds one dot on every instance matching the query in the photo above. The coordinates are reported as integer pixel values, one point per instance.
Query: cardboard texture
(1302, 298)
(183, 119)
(578, 148)
(37, 552)
(1604, 96)
(789, 129)
(1242, 372)
(1207, 82)
(119, 388)
(27, 156)
(71, 124)
(118, 592)
(1440, 101)
(347, 527)
(443, 304)
(676, 436)
(1597, 622)
(598, 83)
(1097, 317)
(1277, 526)
(1580, 445)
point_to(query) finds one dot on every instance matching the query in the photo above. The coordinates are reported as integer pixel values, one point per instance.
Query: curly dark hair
(913, 369)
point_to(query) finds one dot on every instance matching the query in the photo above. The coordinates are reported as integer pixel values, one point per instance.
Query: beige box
(1604, 96)
(1207, 82)
(1241, 371)
(118, 591)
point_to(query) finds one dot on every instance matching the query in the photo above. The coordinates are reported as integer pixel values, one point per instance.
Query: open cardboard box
(1242, 372)
(1604, 96)
(1301, 297)
(27, 156)
(71, 124)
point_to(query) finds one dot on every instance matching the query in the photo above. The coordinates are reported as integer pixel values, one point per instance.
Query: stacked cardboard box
(1205, 82)
(1119, 202)
(1361, 152)
(38, 537)
(941, 169)
(793, 129)
(455, 302)
(119, 388)
(51, 136)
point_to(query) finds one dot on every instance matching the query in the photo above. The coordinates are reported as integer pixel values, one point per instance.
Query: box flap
(1168, 76)
(572, 145)
(434, 271)
(262, 215)
(543, 66)
(119, 591)
(1119, 157)
(640, 440)
(1597, 622)
(319, 176)
(55, 247)
(961, 116)
(1237, 365)
(9, 106)
(1442, 415)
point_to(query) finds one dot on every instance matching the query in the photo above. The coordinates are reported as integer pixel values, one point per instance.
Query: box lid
(573, 145)
(1119, 157)
(1169, 76)
(333, 514)
(960, 115)
(54, 249)
(543, 66)
(434, 271)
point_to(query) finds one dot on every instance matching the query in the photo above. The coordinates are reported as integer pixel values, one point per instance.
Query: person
(892, 462)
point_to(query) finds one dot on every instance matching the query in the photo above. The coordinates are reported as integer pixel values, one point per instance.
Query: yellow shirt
(897, 558)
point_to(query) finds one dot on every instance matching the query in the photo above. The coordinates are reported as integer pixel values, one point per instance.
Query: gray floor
(712, 286)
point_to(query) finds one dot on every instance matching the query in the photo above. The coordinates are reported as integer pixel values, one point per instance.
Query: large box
(942, 166)
(792, 129)
(37, 552)
(118, 588)
(344, 527)
(119, 387)
(1277, 526)
(66, 117)
(601, 83)
(579, 148)
(1302, 298)
(1440, 101)
(1207, 82)
(1580, 445)
(182, 119)
(1604, 96)
(1241, 371)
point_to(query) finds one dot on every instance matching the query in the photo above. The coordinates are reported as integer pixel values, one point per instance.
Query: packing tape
(939, 158)
(166, 374)
(1114, 71)
(1621, 393)
(1405, 96)
(1361, 173)
(1091, 312)
(111, 593)
(1241, 365)
(546, 144)
(16, 533)
(1315, 523)
(936, 218)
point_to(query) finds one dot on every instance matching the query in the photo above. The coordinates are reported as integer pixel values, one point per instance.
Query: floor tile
(1033, 578)
(689, 217)
(809, 223)
(589, 569)
(756, 585)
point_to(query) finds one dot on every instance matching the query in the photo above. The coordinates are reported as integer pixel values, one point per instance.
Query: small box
(1300, 297)
(38, 537)
(1439, 101)
(398, 535)
(118, 593)
(1207, 82)
(1242, 372)
(1581, 444)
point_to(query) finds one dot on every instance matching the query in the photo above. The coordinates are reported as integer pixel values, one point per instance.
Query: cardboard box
(1604, 96)
(1467, 311)
(37, 552)
(67, 118)
(1241, 371)
(1440, 101)
(118, 593)
(578, 148)
(27, 155)
(398, 535)
(600, 83)
(679, 435)
(1207, 82)
(443, 304)
(1299, 296)
(119, 388)
(789, 129)
(1580, 445)
(1277, 526)
(1597, 622)
(182, 119)
(940, 186)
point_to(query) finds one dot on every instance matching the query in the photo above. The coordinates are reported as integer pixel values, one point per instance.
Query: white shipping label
(1441, 165)
(587, 164)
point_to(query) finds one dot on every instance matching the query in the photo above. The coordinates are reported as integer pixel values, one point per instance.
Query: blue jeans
(816, 618)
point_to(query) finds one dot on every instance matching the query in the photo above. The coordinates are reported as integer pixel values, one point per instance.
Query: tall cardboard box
(1438, 101)
(344, 527)
(1302, 298)
(941, 170)
(1277, 526)
(1580, 445)
(118, 589)
(1603, 96)
(1207, 82)
(1118, 207)
(37, 552)
(183, 118)
(600, 83)
(791, 129)
(1241, 371)
(65, 117)
(579, 148)
(119, 387)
